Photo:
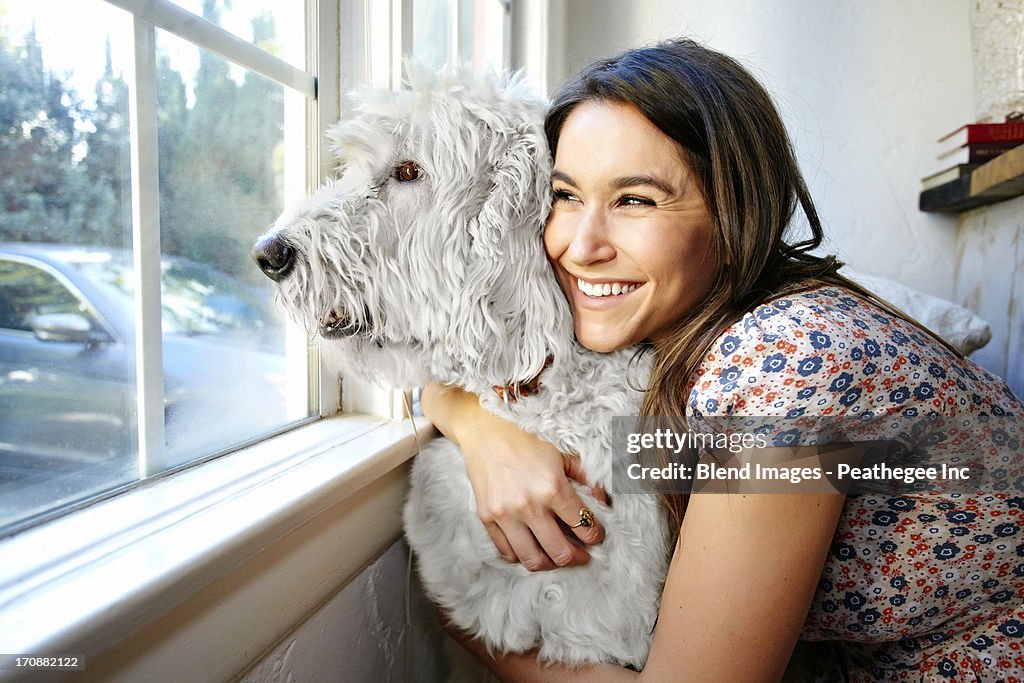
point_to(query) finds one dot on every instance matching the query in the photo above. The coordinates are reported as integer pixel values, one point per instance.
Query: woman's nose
(590, 240)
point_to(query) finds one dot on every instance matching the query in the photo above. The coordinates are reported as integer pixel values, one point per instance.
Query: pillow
(954, 323)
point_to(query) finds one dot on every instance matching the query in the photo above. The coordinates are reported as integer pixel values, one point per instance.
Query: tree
(37, 136)
(103, 211)
(218, 185)
(60, 183)
(65, 167)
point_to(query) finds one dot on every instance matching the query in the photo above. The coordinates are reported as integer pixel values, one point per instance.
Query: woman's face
(629, 234)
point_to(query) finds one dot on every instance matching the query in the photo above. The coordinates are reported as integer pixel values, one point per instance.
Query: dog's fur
(445, 278)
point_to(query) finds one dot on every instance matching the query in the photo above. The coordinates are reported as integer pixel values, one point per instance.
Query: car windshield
(196, 299)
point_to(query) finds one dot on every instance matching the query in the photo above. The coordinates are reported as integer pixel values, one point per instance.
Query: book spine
(979, 152)
(995, 132)
(976, 152)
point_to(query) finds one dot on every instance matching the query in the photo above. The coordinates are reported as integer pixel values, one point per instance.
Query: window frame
(102, 570)
(319, 85)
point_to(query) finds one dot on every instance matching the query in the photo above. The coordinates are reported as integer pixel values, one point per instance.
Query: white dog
(425, 262)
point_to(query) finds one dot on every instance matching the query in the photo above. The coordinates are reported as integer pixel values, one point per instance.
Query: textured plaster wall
(990, 240)
(865, 86)
(363, 634)
(997, 40)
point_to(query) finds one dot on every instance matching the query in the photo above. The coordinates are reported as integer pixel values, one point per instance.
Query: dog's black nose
(274, 257)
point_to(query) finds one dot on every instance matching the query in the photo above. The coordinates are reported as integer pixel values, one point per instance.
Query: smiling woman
(675, 187)
(627, 211)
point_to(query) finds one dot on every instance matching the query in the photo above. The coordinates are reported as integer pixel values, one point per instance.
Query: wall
(366, 632)
(865, 87)
(990, 240)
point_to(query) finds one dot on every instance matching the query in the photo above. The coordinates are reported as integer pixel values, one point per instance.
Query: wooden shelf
(995, 181)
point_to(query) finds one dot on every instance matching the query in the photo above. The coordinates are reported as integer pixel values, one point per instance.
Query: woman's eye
(633, 200)
(564, 196)
(407, 171)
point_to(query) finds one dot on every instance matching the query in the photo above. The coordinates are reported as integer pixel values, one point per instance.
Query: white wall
(990, 240)
(865, 87)
(366, 632)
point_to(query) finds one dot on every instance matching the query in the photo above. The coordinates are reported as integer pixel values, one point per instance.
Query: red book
(1010, 131)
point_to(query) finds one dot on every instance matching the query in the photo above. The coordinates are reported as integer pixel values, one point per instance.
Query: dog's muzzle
(274, 256)
(337, 324)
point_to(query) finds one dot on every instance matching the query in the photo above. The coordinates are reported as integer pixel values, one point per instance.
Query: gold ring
(586, 518)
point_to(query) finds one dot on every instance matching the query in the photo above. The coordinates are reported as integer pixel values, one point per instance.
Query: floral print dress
(925, 583)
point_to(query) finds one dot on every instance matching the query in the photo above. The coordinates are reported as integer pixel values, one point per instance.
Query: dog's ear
(358, 143)
(512, 294)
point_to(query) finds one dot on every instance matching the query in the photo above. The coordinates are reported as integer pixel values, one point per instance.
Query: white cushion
(954, 323)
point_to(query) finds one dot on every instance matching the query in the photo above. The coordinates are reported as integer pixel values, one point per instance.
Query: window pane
(221, 186)
(433, 29)
(482, 33)
(67, 421)
(464, 31)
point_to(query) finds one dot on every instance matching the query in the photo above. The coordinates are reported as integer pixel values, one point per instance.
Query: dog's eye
(407, 171)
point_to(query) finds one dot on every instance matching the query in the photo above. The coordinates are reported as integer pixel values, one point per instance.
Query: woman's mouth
(597, 290)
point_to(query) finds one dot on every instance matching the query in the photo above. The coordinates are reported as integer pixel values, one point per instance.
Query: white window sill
(311, 507)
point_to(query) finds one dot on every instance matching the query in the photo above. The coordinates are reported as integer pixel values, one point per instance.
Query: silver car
(67, 368)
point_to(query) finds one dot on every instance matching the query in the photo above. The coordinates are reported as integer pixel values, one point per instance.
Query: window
(141, 163)
(106, 573)
(145, 145)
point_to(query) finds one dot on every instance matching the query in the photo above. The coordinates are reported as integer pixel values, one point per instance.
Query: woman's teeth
(605, 289)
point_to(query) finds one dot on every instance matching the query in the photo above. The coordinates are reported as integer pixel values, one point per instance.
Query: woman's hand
(523, 485)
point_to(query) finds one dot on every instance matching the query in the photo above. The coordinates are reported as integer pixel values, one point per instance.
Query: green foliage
(65, 167)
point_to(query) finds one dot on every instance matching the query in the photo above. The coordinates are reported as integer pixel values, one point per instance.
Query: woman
(674, 183)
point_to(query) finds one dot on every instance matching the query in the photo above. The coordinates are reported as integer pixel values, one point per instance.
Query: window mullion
(400, 39)
(149, 372)
(456, 12)
(323, 55)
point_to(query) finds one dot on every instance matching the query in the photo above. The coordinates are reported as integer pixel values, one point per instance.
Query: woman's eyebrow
(624, 182)
(634, 180)
(564, 177)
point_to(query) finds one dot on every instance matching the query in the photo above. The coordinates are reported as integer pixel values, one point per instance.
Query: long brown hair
(735, 142)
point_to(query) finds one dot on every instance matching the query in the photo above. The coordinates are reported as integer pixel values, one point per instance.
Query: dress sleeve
(824, 352)
(789, 357)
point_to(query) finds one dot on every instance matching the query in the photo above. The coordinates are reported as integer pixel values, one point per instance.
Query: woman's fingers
(535, 539)
(570, 508)
(526, 548)
(543, 545)
(558, 548)
(573, 467)
(501, 542)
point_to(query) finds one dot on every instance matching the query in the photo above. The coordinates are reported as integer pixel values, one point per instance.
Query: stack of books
(969, 146)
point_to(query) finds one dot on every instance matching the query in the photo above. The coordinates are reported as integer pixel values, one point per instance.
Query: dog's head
(424, 259)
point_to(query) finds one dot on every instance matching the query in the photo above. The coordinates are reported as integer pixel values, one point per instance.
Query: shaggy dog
(425, 261)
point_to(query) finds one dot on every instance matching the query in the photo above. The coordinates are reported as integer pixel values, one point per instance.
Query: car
(67, 369)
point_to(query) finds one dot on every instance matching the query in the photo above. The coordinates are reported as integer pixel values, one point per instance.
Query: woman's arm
(522, 483)
(736, 597)
(742, 578)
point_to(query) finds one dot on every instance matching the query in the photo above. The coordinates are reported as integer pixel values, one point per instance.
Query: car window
(195, 299)
(27, 291)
